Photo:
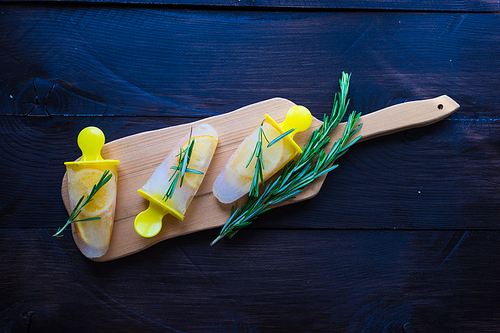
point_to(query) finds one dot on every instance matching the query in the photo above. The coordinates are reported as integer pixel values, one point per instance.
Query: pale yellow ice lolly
(149, 222)
(92, 237)
(235, 179)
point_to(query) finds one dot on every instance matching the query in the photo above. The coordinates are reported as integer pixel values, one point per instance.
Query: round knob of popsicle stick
(149, 222)
(297, 117)
(91, 140)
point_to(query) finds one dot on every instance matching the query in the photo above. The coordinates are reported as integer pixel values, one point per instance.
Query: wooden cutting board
(140, 154)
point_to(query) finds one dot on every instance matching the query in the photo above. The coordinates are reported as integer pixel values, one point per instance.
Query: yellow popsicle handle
(297, 117)
(149, 222)
(91, 140)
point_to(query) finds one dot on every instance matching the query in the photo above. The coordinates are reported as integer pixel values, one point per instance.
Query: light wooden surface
(402, 237)
(141, 153)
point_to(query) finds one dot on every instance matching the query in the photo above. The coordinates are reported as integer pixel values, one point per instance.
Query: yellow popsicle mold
(299, 118)
(149, 222)
(91, 140)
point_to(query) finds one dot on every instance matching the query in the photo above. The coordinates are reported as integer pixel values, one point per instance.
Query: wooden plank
(449, 5)
(199, 63)
(440, 176)
(309, 266)
(140, 154)
(263, 280)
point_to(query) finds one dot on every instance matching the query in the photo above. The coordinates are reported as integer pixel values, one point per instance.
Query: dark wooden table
(403, 237)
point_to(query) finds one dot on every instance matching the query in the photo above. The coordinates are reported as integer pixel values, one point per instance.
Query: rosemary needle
(106, 176)
(259, 162)
(314, 162)
(182, 167)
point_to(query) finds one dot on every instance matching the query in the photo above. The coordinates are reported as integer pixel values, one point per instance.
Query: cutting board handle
(407, 115)
(141, 153)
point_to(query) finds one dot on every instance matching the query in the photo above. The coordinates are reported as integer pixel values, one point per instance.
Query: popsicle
(235, 179)
(92, 237)
(170, 192)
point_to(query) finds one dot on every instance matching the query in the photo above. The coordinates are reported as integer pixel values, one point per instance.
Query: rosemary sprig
(181, 169)
(281, 136)
(106, 176)
(313, 163)
(259, 162)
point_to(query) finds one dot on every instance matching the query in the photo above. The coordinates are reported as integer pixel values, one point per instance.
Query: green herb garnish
(181, 169)
(259, 160)
(106, 176)
(314, 162)
(259, 163)
(278, 138)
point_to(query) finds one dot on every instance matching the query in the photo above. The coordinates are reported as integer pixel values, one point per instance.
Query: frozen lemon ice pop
(235, 179)
(149, 222)
(92, 237)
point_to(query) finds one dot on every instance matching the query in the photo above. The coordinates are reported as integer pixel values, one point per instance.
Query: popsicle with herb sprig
(92, 195)
(261, 155)
(174, 183)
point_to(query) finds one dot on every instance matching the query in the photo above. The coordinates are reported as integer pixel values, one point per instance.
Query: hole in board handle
(440, 106)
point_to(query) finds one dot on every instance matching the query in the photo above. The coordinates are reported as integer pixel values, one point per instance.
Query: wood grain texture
(181, 63)
(448, 5)
(440, 176)
(377, 281)
(403, 236)
(140, 155)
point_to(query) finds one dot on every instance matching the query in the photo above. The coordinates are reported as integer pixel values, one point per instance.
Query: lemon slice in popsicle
(199, 160)
(84, 180)
(94, 233)
(149, 222)
(271, 155)
(235, 179)
(92, 237)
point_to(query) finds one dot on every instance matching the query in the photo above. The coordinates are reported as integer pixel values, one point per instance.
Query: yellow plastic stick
(149, 222)
(92, 237)
(234, 181)
(298, 118)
